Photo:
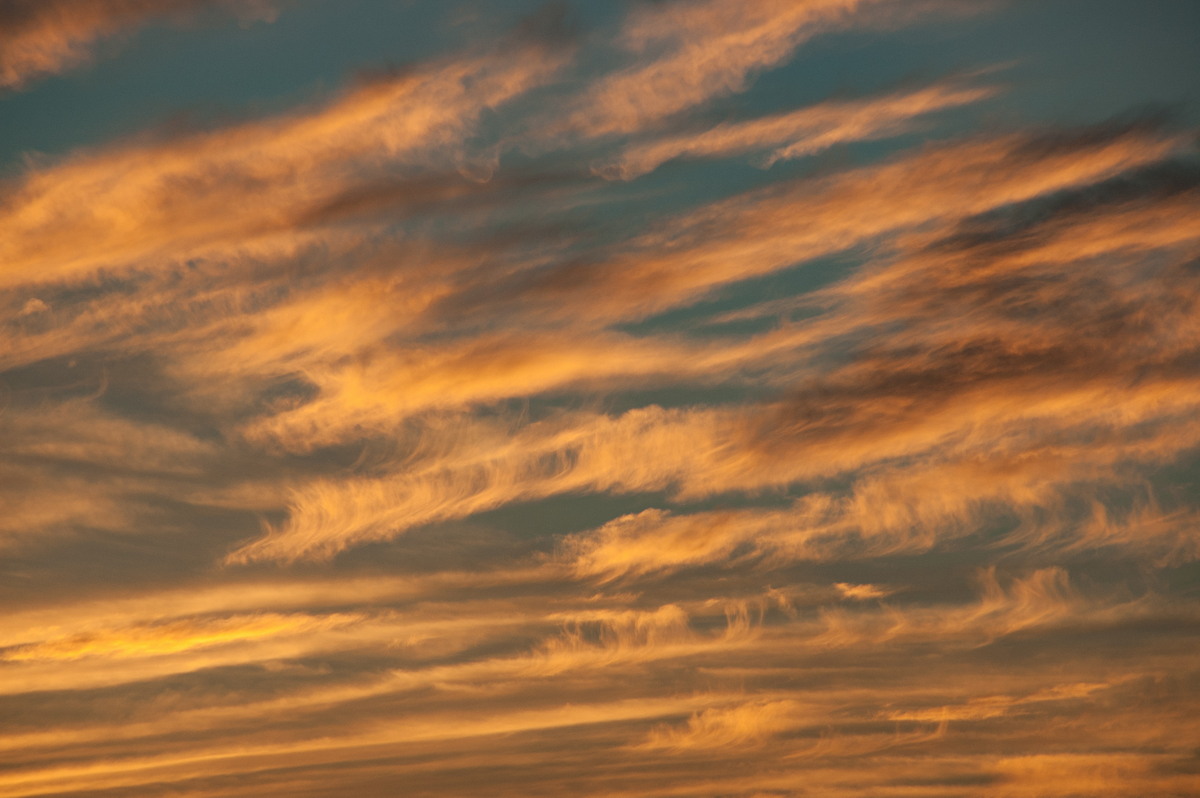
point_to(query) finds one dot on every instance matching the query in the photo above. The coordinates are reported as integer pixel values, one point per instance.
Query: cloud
(762, 232)
(861, 592)
(991, 373)
(1092, 774)
(795, 134)
(184, 767)
(32, 306)
(72, 465)
(1047, 496)
(653, 540)
(393, 384)
(467, 468)
(246, 185)
(695, 52)
(46, 37)
(995, 706)
(744, 725)
(171, 638)
(1042, 600)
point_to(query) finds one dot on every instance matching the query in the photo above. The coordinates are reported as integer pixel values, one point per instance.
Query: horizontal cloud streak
(168, 638)
(798, 133)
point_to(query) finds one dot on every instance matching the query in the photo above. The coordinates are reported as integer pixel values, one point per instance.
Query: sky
(672, 398)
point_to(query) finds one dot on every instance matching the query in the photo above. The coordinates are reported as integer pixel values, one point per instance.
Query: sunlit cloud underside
(746, 398)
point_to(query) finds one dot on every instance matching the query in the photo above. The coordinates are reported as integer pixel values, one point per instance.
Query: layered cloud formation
(603, 405)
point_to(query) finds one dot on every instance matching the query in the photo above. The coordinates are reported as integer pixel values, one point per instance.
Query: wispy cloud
(169, 638)
(694, 52)
(46, 37)
(747, 724)
(797, 133)
(225, 190)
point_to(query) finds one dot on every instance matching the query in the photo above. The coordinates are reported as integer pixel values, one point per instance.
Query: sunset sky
(645, 398)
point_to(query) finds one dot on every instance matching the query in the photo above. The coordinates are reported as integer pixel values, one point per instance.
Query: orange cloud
(45, 37)
(72, 464)
(765, 231)
(945, 392)
(797, 133)
(744, 725)
(705, 50)
(246, 185)
(172, 637)
(1096, 774)
(861, 592)
(1042, 600)
(995, 706)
